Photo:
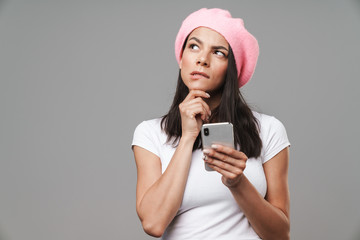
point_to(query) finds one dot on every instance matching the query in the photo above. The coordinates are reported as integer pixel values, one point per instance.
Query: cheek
(184, 69)
(184, 63)
(222, 71)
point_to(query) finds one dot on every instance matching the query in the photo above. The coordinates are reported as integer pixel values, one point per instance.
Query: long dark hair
(232, 108)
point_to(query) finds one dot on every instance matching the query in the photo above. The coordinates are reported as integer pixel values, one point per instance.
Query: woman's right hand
(194, 111)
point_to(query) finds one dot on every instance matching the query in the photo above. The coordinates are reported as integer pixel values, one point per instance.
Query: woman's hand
(229, 162)
(194, 110)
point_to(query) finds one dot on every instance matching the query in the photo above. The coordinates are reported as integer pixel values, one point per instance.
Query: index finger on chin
(197, 93)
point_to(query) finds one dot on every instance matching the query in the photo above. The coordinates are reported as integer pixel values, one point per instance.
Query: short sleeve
(275, 139)
(145, 136)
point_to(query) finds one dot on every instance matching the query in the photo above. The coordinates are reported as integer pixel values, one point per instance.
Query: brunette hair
(232, 108)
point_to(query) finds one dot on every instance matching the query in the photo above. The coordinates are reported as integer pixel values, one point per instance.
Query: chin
(197, 86)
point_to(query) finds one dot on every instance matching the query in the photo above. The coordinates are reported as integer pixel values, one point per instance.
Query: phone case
(217, 133)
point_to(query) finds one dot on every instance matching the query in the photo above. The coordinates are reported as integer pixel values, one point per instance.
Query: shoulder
(151, 123)
(273, 135)
(149, 126)
(267, 122)
(149, 135)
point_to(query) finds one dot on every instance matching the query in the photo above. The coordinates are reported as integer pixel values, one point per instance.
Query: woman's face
(204, 60)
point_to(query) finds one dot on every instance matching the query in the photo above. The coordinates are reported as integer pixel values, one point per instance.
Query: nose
(203, 61)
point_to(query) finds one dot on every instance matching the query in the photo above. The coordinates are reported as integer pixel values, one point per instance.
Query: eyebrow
(213, 47)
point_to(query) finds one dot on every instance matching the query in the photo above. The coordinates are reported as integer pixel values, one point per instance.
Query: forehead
(209, 36)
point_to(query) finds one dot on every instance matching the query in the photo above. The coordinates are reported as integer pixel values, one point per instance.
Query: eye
(194, 46)
(219, 53)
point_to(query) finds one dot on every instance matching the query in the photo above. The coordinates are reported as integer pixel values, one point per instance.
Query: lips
(197, 75)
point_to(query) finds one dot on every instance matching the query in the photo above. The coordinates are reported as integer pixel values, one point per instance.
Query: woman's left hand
(229, 162)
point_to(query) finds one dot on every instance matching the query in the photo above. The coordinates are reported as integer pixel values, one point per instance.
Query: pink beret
(244, 45)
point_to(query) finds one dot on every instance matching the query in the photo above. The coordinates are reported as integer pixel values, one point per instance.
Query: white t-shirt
(208, 210)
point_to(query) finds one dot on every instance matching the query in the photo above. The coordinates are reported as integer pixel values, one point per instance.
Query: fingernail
(207, 94)
(207, 151)
(214, 146)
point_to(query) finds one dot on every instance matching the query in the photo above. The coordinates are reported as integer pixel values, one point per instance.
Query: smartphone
(217, 133)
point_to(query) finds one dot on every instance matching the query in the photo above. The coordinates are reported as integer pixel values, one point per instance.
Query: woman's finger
(196, 93)
(234, 169)
(222, 157)
(202, 102)
(194, 110)
(229, 151)
(194, 104)
(224, 172)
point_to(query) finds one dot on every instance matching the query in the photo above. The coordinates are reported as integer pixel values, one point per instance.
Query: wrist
(186, 142)
(188, 138)
(238, 183)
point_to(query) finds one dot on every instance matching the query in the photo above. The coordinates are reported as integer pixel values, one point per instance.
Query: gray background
(76, 77)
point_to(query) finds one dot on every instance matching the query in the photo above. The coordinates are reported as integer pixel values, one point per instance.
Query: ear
(180, 63)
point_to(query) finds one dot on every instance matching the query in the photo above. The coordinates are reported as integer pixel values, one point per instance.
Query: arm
(270, 216)
(159, 196)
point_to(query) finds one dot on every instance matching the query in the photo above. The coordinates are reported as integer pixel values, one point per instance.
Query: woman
(247, 195)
